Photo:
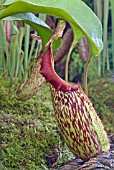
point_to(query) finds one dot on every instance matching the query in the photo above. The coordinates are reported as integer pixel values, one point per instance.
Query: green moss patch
(101, 93)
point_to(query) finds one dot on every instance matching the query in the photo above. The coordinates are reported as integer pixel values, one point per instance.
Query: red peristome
(47, 70)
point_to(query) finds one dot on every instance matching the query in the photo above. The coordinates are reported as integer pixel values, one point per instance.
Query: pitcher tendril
(58, 31)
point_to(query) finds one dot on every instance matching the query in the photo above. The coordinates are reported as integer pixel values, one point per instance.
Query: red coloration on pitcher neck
(47, 70)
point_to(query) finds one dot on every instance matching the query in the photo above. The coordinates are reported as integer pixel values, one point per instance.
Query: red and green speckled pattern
(80, 126)
(79, 123)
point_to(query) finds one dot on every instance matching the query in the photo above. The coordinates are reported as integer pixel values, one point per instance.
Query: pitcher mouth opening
(47, 70)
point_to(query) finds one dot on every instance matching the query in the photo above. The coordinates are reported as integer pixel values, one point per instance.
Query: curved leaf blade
(80, 17)
(41, 27)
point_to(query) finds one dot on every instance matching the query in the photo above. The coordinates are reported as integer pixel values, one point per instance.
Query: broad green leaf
(30, 17)
(41, 27)
(80, 17)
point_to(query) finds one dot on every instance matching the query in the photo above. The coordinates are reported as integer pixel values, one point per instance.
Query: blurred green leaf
(40, 26)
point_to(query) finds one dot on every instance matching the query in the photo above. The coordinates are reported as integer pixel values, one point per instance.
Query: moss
(101, 93)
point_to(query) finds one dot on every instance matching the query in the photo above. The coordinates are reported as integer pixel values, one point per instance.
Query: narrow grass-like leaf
(21, 69)
(105, 36)
(13, 42)
(2, 49)
(98, 11)
(112, 16)
(19, 46)
(26, 48)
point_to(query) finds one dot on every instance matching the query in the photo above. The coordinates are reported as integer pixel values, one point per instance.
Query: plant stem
(67, 61)
(85, 77)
